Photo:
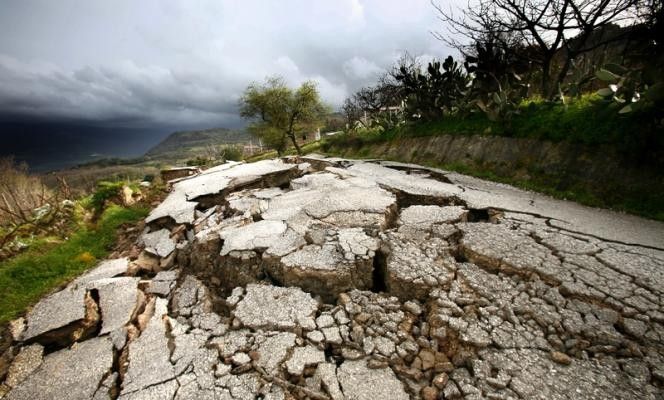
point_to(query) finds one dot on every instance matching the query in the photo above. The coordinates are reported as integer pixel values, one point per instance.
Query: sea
(48, 147)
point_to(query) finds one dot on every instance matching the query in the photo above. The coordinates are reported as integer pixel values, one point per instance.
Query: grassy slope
(586, 120)
(29, 276)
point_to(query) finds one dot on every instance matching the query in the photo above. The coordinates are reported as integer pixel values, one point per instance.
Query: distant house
(310, 136)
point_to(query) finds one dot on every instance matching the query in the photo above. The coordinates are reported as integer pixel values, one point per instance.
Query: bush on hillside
(106, 191)
(232, 153)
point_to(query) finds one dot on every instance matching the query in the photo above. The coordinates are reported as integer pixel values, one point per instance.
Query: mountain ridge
(181, 144)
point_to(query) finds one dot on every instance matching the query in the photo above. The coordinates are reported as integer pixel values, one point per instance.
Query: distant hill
(189, 144)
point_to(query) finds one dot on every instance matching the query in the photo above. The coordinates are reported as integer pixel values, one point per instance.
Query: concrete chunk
(274, 350)
(158, 243)
(105, 269)
(303, 357)
(117, 301)
(68, 374)
(27, 360)
(149, 355)
(55, 311)
(276, 308)
(361, 383)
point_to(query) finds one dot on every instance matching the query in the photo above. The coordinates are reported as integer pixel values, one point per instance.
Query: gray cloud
(185, 63)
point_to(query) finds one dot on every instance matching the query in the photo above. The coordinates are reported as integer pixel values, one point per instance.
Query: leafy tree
(279, 113)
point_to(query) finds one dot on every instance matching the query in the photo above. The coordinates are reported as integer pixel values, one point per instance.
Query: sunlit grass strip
(26, 278)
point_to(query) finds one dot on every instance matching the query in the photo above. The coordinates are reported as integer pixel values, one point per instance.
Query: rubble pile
(324, 278)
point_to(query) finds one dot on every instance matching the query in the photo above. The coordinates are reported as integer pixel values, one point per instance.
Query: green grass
(633, 201)
(27, 277)
(263, 156)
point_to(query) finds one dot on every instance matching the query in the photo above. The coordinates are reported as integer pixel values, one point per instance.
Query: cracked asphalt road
(325, 278)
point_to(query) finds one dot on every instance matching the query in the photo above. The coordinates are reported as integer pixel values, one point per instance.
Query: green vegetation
(311, 147)
(46, 265)
(279, 113)
(232, 153)
(197, 162)
(105, 191)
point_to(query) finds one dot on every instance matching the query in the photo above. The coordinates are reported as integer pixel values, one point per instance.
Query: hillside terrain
(175, 150)
(190, 144)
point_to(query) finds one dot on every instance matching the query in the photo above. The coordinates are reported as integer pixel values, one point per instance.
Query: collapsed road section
(324, 278)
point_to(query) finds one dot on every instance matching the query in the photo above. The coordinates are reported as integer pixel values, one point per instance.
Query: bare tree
(373, 100)
(352, 111)
(548, 27)
(24, 199)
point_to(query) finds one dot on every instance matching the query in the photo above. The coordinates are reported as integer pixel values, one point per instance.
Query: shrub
(198, 162)
(105, 191)
(27, 206)
(232, 153)
(434, 92)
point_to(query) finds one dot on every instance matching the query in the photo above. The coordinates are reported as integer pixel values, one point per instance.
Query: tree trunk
(563, 72)
(297, 146)
(546, 71)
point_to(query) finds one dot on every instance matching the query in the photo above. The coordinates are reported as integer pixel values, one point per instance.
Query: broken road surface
(325, 278)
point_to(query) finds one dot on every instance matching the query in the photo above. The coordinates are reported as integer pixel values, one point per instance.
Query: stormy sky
(186, 62)
(179, 64)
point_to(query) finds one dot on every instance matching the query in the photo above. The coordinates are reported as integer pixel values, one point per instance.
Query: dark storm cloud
(181, 63)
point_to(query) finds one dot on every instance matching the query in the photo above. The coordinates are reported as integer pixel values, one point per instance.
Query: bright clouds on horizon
(182, 63)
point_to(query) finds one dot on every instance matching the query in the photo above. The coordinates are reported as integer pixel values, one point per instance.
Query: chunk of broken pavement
(181, 203)
(158, 243)
(362, 383)
(149, 355)
(117, 300)
(425, 216)
(259, 235)
(276, 308)
(27, 360)
(105, 269)
(73, 373)
(61, 317)
(303, 357)
(274, 349)
(415, 268)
